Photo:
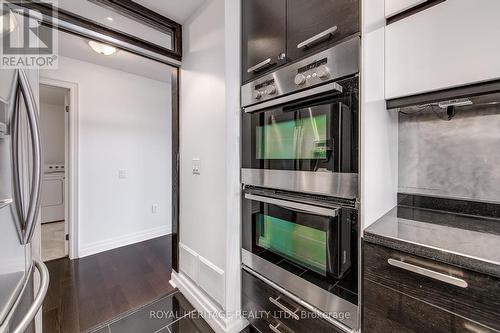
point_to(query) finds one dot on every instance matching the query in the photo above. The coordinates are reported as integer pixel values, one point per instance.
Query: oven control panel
(314, 72)
(339, 61)
(265, 89)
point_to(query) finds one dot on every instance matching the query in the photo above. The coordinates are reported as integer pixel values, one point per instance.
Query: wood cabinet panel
(388, 311)
(256, 296)
(480, 301)
(264, 35)
(306, 19)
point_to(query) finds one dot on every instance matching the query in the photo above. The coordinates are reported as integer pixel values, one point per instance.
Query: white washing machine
(53, 194)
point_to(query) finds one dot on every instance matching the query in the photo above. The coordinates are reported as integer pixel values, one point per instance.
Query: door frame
(71, 174)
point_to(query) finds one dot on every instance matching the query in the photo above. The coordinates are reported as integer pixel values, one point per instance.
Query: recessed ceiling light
(101, 48)
(109, 18)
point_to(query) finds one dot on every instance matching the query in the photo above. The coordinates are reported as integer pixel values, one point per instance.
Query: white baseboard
(204, 304)
(113, 243)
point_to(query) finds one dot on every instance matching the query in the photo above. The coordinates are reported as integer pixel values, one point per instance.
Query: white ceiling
(77, 48)
(52, 95)
(177, 10)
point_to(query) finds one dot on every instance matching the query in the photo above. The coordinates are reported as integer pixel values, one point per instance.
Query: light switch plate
(122, 174)
(196, 166)
(154, 208)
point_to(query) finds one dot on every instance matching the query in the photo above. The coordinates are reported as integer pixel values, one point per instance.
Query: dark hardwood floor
(86, 292)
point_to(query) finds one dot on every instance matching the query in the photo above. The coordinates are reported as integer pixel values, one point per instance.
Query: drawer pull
(318, 37)
(428, 273)
(260, 65)
(276, 329)
(276, 302)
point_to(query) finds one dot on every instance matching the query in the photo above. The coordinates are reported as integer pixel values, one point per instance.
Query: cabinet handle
(316, 38)
(260, 65)
(276, 302)
(428, 273)
(276, 329)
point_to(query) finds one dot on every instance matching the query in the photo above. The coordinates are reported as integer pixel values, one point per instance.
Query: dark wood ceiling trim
(413, 10)
(148, 17)
(80, 21)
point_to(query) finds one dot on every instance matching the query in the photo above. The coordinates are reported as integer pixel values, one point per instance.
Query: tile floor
(170, 314)
(53, 241)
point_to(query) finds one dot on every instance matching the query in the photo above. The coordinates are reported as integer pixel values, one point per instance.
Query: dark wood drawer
(259, 296)
(388, 311)
(478, 300)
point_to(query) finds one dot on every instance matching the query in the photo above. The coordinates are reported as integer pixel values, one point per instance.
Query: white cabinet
(393, 7)
(451, 44)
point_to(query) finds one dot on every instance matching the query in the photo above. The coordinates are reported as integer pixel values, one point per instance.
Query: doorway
(54, 133)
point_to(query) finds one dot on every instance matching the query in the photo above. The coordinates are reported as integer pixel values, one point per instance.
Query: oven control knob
(323, 72)
(258, 94)
(300, 79)
(270, 90)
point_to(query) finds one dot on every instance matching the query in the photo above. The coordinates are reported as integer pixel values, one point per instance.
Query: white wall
(203, 128)
(379, 133)
(52, 133)
(124, 124)
(209, 202)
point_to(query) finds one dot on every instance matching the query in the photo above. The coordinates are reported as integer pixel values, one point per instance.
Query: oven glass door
(298, 233)
(318, 134)
(277, 230)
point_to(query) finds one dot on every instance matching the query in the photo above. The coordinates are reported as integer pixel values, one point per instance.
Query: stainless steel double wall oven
(300, 175)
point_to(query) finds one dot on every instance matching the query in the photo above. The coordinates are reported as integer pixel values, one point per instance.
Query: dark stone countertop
(468, 241)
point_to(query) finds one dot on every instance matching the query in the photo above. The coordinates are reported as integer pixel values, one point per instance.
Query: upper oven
(300, 125)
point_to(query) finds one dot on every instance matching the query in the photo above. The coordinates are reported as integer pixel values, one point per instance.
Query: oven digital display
(295, 139)
(303, 245)
(313, 65)
(264, 84)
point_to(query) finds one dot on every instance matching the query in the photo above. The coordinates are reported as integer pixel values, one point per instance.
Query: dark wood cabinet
(313, 25)
(268, 308)
(272, 30)
(264, 36)
(388, 311)
(400, 296)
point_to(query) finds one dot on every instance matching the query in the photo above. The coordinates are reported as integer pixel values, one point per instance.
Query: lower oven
(305, 244)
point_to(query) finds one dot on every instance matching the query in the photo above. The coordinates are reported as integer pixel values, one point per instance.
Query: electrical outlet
(196, 166)
(154, 209)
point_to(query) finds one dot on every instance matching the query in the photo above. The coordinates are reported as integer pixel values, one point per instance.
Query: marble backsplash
(457, 159)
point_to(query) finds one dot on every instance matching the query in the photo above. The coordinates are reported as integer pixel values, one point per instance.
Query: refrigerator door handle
(36, 181)
(15, 128)
(38, 301)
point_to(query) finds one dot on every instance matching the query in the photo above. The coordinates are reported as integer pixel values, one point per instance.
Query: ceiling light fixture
(110, 19)
(101, 48)
(7, 27)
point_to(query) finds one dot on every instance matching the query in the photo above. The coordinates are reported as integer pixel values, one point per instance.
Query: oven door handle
(295, 206)
(333, 86)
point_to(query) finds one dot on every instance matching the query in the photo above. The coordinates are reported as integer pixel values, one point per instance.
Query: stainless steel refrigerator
(23, 280)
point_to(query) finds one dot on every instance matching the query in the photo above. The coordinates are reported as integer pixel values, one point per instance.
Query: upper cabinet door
(452, 44)
(264, 36)
(313, 25)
